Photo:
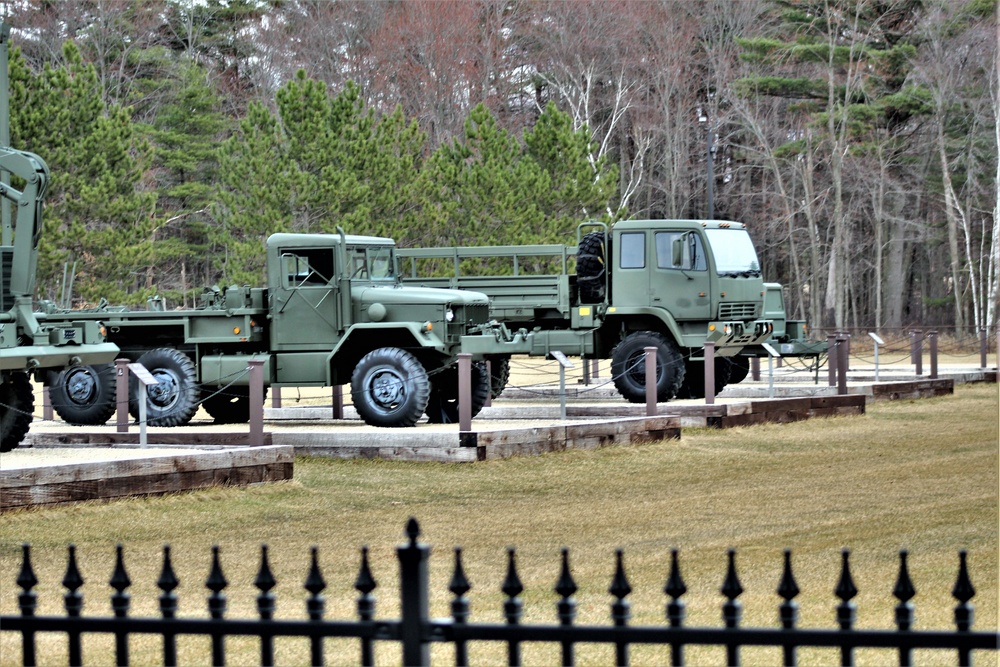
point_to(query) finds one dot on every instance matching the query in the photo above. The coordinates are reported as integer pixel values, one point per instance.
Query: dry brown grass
(920, 475)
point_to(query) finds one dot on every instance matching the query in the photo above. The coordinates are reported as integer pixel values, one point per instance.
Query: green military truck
(333, 312)
(29, 347)
(669, 284)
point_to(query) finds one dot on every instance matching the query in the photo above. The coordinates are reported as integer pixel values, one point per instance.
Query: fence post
(256, 436)
(275, 397)
(983, 347)
(46, 404)
(586, 372)
(842, 365)
(121, 395)
(464, 395)
(846, 359)
(755, 368)
(413, 595)
(933, 335)
(831, 356)
(917, 351)
(595, 368)
(489, 395)
(650, 367)
(709, 373)
(337, 398)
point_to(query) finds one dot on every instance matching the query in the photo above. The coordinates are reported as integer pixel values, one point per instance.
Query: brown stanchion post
(918, 352)
(275, 397)
(832, 358)
(650, 370)
(755, 369)
(709, 373)
(337, 398)
(47, 405)
(595, 368)
(934, 354)
(464, 391)
(983, 348)
(121, 395)
(841, 366)
(846, 342)
(256, 437)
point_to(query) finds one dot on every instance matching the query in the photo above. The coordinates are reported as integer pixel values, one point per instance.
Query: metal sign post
(146, 379)
(564, 363)
(878, 341)
(772, 354)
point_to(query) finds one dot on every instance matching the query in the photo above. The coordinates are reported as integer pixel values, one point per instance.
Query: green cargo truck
(669, 284)
(334, 312)
(29, 347)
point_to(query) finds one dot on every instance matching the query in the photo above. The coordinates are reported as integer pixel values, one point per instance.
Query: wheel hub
(81, 387)
(387, 389)
(165, 392)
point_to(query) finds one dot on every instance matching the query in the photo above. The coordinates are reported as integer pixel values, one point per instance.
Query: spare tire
(591, 268)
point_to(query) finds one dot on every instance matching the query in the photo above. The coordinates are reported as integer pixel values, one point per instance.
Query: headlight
(449, 315)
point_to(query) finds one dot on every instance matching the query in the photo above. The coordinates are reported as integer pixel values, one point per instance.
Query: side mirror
(679, 244)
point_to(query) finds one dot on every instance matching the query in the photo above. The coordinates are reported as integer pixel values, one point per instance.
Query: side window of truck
(680, 250)
(308, 267)
(633, 250)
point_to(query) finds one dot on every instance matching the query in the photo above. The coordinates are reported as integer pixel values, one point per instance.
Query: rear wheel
(173, 401)
(17, 403)
(628, 366)
(389, 387)
(84, 395)
(442, 405)
(739, 369)
(227, 405)
(694, 378)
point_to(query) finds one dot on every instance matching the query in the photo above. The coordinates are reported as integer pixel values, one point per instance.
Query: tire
(739, 369)
(694, 378)
(172, 402)
(389, 387)
(84, 395)
(628, 367)
(17, 403)
(499, 375)
(591, 268)
(229, 405)
(442, 405)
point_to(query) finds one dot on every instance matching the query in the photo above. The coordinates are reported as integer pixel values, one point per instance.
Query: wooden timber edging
(486, 444)
(144, 474)
(235, 438)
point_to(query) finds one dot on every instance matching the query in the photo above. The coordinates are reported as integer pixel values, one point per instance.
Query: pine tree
(97, 213)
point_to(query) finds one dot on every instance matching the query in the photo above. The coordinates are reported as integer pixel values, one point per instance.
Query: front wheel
(17, 403)
(628, 366)
(442, 406)
(389, 387)
(173, 400)
(84, 395)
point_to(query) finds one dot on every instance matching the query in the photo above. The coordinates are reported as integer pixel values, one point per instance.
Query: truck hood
(394, 294)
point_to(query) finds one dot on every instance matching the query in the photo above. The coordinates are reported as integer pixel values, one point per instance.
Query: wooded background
(858, 139)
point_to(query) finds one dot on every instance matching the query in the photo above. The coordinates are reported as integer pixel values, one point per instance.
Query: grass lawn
(920, 475)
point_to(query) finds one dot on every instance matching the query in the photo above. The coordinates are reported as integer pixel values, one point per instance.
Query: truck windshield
(373, 263)
(734, 252)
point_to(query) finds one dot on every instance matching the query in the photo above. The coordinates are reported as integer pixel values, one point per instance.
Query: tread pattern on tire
(443, 406)
(591, 266)
(390, 363)
(100, 404)
(17, 403)
(178, 365)
(628, 366)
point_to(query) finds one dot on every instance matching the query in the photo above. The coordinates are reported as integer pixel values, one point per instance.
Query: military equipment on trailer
(669, 284)
(29, 346)
(334, 312)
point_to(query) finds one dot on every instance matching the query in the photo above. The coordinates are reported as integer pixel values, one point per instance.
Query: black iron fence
(415, 631)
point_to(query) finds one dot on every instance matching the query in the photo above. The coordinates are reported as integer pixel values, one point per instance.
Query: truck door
(663, 269)
(680, 280)
(306, 308)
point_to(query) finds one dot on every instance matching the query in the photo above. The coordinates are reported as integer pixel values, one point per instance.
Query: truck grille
(472, 314)
(738, 311)
(6, 268)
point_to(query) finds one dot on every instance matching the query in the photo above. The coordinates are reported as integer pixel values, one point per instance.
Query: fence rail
(416, 631)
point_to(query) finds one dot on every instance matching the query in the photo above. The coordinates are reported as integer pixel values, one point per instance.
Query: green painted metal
(29, 345)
